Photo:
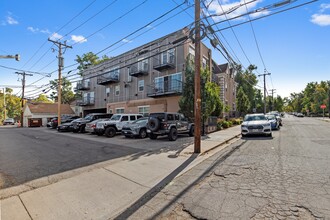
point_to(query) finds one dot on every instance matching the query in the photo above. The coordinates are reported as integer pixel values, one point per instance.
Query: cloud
(321, 18)
(55, 36)
(127, 41)
(78, 39)
(10, 20)
(226, 7)
(37, 30)
(32, 29)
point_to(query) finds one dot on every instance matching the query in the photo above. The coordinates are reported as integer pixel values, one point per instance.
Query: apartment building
(224, 75)
(147, 79)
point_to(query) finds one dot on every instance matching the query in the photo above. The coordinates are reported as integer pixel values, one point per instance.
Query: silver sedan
(256, 124)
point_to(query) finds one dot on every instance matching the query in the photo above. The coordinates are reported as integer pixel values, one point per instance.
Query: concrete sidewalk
(104, 190)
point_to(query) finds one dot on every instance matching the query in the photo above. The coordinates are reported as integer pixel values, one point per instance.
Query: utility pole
(264, 88)
(272, 106)
(4, 104)
(197, 140)
(60, 66)
(23, 87)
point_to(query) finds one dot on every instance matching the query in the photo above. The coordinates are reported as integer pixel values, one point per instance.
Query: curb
(220, 144)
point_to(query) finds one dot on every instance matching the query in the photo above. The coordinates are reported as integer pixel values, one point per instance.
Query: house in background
(224, 76)
(145, 79)
(38, 114)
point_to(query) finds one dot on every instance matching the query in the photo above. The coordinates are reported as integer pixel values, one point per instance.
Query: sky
(291, 43)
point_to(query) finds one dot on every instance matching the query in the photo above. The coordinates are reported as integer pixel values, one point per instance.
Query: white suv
(115, 124)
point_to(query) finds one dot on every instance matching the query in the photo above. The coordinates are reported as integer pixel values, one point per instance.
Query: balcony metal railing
(166, 88)
(86, 101)
(83, 85)
(139, 69)
(160, 64)
(108, 78)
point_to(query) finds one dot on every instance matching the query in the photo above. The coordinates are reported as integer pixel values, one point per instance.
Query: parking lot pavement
(112, 186)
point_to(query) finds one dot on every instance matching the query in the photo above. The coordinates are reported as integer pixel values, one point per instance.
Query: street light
(16, 57)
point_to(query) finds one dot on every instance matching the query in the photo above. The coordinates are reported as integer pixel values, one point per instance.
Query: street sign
(323, 106)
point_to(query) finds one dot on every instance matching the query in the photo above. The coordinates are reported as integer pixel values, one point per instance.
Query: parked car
(137, 128)
(90, 126)
(115, 124)
(64, 119)
(274, 122)
(277, 116)
(300, 115)
(65, 126)
(256, 124)
(79, 125)
(170, 124)
(9, 121)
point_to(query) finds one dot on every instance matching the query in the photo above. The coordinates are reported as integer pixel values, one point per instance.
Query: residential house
(38, 114)
(146, 79)
(224, 76)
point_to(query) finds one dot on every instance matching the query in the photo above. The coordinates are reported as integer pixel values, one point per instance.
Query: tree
(242, 102)
(67, 95)
(43, 99)
(210, 95)
(13, 105)
(89, 59)
(247, 80)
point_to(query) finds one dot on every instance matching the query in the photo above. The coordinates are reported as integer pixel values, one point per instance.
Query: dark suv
(80, 124)
(170, 124)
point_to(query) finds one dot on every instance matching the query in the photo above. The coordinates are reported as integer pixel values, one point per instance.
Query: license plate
(256, 130)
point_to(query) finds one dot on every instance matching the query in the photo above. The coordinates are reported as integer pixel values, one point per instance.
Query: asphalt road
(30, 153)
(284, 177)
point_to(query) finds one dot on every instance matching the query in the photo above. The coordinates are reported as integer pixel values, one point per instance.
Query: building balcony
(85, 102)
(107, 79)
(83, 85)
(169, 88)
(139, 69)
(160, 64)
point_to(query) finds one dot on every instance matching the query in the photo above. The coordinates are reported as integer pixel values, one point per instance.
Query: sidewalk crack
(126, 178)
(25, 207)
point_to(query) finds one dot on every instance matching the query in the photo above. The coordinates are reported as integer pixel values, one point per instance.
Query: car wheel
(153, 136)
(192, 131)
(173, 135)
(143, 133)
(153, 124)
(110, 132)
(243, 135)
(82, 129)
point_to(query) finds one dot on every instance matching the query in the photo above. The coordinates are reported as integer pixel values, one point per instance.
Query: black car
(65, 127)
(64, 119)
(80, 124)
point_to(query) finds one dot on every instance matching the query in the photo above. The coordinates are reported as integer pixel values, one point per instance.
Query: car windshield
(115, 118)
(140, 121)
(270, 117)
(88, 117)
(255, 118)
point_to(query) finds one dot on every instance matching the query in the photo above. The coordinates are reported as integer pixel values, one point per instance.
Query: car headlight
(243, 126)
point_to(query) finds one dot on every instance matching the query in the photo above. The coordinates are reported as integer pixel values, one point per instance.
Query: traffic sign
(323, 106)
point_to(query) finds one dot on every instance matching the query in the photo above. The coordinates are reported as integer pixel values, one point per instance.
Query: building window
(129, 77)
(117, 90)
(113, 73)
(110, 111)
(167, 56)
(204, 62)
(191, 54)
(120, 110)
(143, 64)
(144, 110)
(141, 85)
(107, 91)
(169, 83)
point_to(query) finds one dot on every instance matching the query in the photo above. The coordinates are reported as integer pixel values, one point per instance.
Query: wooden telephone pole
(22, 99)
(60, 66)
(265, 74)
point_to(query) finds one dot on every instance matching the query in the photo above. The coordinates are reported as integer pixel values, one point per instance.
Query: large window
(167, 56)
(129, 77)
(120, 110)
(141, 85)
(117, 90)
(144, 110)
(107, 91)
(143, 64)
(168, 83)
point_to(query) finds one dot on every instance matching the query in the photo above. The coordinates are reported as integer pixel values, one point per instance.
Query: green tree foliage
(42, 99)
(13, 105)
(67, 95)
(210, 93)
(242, 102)
(89, 59)
(247, 80)
(310, 99)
